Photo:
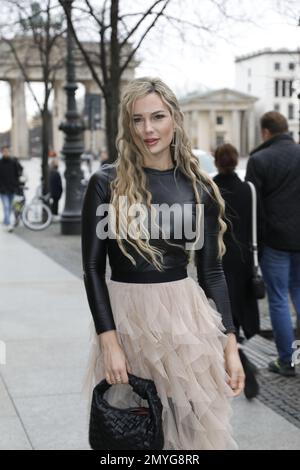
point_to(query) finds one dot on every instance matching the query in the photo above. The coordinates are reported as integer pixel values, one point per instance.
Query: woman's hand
(115, 362)
(234, 366)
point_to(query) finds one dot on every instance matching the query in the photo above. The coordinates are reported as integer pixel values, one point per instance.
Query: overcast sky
(187, 67)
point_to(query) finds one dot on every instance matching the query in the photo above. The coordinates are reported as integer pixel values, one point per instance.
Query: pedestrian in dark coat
(238, 259)
(10, 172)
(55, 186)
(274, 168)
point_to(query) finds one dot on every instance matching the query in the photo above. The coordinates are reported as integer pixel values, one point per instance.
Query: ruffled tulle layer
(171, 334)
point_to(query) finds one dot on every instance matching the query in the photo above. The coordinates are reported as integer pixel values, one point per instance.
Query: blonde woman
(150, 317)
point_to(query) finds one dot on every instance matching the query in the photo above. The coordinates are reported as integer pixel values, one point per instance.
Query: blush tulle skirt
(171, 334)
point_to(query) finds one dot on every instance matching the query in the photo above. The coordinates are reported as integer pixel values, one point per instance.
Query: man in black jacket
(274, 168)
(10, 172)
(55, 186)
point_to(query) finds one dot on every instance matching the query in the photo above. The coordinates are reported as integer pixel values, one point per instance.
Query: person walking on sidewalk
(10, 172)
(150, 318)
(55, 185)
(238, 259)
(274, 168)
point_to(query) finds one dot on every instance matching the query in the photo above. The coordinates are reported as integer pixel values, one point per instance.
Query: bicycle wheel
(36, 216)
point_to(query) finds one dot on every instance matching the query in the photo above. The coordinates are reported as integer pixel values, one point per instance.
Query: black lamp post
(73, 146)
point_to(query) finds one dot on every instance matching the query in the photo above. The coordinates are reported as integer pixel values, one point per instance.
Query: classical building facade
(218, 116)
(272, 76)
(28, 54)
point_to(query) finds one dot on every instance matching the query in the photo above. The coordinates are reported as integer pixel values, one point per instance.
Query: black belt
(145, 277)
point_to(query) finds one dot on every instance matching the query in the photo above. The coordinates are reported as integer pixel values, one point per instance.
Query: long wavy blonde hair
(130, 180)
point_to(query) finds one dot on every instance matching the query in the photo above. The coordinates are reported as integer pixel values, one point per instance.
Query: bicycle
(36, 215)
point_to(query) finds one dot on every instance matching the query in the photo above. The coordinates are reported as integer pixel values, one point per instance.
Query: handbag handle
(145, 388)
(254, 224)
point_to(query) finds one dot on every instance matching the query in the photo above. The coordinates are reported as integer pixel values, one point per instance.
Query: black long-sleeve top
(165, 188)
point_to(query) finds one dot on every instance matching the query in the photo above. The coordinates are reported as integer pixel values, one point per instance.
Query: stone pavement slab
(44, 324)
(257, 427)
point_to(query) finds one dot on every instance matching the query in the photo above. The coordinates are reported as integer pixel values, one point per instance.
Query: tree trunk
(112, 85)
(45, 150)
(111, 121)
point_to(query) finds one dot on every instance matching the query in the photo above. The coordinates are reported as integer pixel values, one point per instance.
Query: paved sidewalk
(44, 322)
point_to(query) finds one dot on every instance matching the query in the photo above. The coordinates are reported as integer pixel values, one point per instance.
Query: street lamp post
(73, 146)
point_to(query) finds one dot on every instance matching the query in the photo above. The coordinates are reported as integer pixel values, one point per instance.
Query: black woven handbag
(137, 428)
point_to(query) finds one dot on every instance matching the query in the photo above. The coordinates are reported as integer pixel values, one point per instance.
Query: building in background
(94, 113)
(217, 116)
(271, 76)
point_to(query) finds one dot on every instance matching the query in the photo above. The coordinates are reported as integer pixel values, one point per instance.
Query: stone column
(59, 111)
(236, 129)
(251, 129)
(19, 129)
(244, 134)
(95, 140)
(194, 128)
(212, 127)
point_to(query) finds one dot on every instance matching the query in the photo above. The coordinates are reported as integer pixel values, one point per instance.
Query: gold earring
(173, 143)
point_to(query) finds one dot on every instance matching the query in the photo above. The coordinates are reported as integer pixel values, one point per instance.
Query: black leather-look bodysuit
(165, 188)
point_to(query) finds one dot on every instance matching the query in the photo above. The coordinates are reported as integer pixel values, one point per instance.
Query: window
(249, 72)
(220, 120)
(291, 133)
(283, 88)
(220, 139)
(291, 111)
(277, 66)
(277, 107)
(249, 87)
(283, 83)
(291, 66)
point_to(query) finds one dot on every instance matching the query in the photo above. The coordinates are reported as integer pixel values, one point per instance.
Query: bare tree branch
(103, 60)
(145, 15)
(82, 49)
(133, 52)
